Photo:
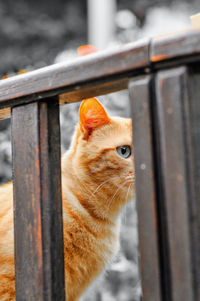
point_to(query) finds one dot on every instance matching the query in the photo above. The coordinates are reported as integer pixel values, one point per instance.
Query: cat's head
(102, 157)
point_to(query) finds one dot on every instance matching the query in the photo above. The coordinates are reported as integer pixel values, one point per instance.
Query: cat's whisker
(126, 199)
(120, 187)
(100, 186)
(128, 190)
(104, 182)
(132, 177)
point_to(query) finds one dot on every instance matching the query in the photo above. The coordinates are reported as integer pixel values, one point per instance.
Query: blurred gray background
(36, 33)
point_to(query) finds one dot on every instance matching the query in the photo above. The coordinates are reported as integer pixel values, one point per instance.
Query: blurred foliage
(32, 35)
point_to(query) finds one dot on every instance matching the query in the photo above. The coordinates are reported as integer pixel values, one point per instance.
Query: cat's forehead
(118, 132)
(122, 127)
(121, 121)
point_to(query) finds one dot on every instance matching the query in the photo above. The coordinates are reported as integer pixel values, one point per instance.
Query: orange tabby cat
(97, 173)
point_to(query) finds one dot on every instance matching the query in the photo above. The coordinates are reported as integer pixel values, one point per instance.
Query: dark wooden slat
(91, 89)
(37, 202)
(103, 67)
(171, 93)
(175, 45)
(192, 125)
(140, 97)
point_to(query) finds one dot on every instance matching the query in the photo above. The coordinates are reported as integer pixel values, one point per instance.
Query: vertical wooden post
(141, 101)
(39, 260)
(177, 179)
(192, 126)
(166, 135)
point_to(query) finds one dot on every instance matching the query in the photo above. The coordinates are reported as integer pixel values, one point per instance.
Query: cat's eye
(124, 151)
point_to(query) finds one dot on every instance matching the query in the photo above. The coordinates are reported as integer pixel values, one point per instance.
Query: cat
(97, 174)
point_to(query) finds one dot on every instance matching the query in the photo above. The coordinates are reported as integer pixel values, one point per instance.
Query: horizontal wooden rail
(86, 76)
(100, 73)
(175, 46)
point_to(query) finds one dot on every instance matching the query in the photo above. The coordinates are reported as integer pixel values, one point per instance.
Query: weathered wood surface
(102, 69)
(170, 46)
(37, 202)
(141, 101)
(166, 127)
(175, 199)
(192, 126)
(99, 73)
(5, 113)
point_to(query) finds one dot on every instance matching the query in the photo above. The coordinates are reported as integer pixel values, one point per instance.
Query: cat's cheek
(95, 168)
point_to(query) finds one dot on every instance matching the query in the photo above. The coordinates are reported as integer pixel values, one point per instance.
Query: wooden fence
(163, 77)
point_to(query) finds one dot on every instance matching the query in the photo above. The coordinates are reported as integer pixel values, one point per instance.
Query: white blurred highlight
(101, 22)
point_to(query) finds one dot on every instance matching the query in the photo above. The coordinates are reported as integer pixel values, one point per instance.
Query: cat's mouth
(129, 183)
(122, 194)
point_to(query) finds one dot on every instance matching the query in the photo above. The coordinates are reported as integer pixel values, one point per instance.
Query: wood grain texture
(93, 89)
(90, 89)
(5, 113)
(141, 100)
(171, 94)
(100, 73)
(105, 68)
(39, 259)
(192, 129)
(175, 45)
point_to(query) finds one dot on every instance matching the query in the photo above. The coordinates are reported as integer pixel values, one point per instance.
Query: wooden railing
(163, 77)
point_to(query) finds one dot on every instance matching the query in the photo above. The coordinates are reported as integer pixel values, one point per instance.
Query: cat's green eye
(124, 151)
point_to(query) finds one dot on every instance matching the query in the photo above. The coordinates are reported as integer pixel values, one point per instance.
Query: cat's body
(95, 186)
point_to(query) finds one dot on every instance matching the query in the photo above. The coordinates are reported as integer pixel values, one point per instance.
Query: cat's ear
(92, 115)
(86, 49)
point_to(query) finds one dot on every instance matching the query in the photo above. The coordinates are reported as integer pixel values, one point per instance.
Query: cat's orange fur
(95, 180)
